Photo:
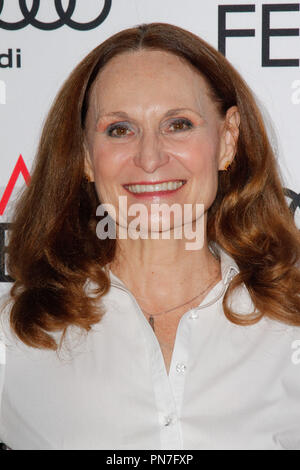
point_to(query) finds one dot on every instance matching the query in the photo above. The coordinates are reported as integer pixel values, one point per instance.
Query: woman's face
(151, 120)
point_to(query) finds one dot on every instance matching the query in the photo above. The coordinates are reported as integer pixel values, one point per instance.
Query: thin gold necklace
(152, 315)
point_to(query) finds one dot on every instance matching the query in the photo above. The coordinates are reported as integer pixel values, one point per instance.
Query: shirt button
(168, 420)
(180, 367)
(194, 315)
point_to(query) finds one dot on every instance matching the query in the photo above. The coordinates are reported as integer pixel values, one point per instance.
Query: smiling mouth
(155, 187)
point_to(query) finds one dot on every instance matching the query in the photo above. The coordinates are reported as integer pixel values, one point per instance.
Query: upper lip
(154, 182)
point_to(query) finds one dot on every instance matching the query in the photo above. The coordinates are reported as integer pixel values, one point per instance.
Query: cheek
(200, 155)
(107, 160)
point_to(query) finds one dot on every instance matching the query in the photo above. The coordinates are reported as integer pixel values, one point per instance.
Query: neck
(156, 271)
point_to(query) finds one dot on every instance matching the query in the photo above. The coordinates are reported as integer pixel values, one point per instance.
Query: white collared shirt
(229, 386)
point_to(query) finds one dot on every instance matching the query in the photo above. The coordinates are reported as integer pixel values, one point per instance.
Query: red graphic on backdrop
(19, 168)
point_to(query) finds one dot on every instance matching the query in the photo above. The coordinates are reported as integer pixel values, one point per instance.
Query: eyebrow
(124, 115)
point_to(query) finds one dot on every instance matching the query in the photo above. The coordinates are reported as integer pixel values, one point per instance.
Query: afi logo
(19, 168)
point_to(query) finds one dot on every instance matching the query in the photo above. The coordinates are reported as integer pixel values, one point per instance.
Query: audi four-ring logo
(65, 16)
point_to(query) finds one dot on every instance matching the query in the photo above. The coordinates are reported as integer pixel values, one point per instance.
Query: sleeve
(289, 438)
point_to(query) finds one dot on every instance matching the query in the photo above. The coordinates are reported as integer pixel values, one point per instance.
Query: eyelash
(119, 125)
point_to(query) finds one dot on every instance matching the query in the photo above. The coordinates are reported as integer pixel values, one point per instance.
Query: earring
(227, 165)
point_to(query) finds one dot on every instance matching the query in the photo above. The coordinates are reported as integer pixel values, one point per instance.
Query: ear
(229, 137)
(88, 165)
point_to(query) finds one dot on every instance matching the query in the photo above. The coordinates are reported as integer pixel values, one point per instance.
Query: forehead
(145, 61)
(149, 74)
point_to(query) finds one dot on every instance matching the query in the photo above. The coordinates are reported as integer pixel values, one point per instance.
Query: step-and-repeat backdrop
(42, 40)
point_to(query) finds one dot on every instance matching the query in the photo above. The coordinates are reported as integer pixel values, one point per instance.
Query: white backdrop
(35, 58)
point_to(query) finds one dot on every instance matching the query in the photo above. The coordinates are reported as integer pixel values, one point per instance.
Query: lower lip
(148, 195)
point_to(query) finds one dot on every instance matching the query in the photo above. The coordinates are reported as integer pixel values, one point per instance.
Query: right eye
(117, 130)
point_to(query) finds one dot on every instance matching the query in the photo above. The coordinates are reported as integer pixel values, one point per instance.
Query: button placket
(170, 432)
(179, 364)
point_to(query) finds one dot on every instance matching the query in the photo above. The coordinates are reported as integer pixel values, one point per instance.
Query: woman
(186, 349)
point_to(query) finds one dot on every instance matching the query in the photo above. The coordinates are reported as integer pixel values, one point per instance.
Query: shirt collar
(229, 267)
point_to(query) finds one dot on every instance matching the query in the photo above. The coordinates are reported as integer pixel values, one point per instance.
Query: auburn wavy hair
(53, 247)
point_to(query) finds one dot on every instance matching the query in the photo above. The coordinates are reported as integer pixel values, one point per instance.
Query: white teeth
(150, 188)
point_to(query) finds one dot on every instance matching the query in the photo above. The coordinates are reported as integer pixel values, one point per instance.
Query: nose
(150, 154)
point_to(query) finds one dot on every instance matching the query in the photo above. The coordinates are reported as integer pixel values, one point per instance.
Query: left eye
(181, 124)
(118, 130)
